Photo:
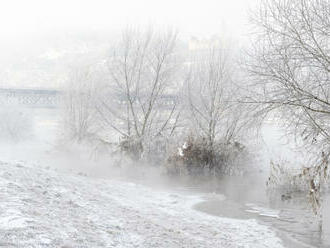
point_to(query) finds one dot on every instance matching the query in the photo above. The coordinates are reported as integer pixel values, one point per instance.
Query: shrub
(284, 179)
(310, 180)
(196, 157)
(131, 147)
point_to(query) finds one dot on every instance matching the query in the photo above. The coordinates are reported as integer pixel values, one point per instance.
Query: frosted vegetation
(192, 111)
(157, 103)
(151, 100)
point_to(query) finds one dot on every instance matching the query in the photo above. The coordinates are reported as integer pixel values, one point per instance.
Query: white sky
(25, 25)
(199, 17)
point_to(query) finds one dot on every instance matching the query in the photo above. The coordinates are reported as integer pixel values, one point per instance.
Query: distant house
(204, 43)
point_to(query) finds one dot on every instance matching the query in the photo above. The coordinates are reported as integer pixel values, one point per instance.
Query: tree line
(215, 100)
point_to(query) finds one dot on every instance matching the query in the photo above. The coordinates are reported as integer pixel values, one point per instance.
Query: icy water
(246, 198)
(232, 197)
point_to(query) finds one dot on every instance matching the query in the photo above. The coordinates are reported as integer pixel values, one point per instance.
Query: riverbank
(44, 208)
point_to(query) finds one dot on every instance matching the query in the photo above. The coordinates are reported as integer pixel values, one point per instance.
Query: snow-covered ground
(40, 207)
(44, 202)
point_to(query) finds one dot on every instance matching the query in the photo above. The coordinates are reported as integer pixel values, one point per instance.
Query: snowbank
(43, 208)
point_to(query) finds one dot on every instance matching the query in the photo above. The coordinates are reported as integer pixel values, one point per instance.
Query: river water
(293, 219)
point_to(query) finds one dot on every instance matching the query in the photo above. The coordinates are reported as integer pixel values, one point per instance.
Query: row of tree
(151, 91)
(150, 87)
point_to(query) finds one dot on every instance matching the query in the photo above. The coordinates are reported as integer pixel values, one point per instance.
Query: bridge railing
(30, 97)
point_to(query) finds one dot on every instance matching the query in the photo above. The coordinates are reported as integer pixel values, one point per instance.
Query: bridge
(51, 98)
(165, 101)
(36, 98)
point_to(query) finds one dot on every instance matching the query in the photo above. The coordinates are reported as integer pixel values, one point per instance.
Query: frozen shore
(44, 208)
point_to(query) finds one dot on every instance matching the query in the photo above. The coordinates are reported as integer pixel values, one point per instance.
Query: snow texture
(43, 208)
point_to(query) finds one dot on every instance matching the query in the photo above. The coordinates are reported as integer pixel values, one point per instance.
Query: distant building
(204, 43)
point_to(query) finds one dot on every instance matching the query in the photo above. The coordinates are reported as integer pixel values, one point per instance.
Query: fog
(37, 29)
(197, 17)
(164, 123)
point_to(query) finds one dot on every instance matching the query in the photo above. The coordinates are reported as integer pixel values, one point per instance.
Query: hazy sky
(26, 25)
(200, 17)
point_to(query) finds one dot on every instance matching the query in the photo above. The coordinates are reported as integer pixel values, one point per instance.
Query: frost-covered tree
(214, 117)
(138, 100)
(212, 102)
(291, 68)
(80, 115)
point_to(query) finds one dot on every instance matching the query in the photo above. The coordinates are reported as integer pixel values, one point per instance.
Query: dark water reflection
(246, 198)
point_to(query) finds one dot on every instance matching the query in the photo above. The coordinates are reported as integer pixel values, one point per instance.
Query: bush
(284, 179)
(197, 157)
(310, 180)
(131, 147)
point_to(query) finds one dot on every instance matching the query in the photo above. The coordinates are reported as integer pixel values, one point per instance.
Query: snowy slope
(43, 208)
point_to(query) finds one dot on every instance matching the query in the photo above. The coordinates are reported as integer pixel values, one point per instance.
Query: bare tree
(216, 118)
(142, 70)
(211, 101)
(80, 104)
(290, 67)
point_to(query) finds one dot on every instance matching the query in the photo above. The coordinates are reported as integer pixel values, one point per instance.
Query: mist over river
(237, 197)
